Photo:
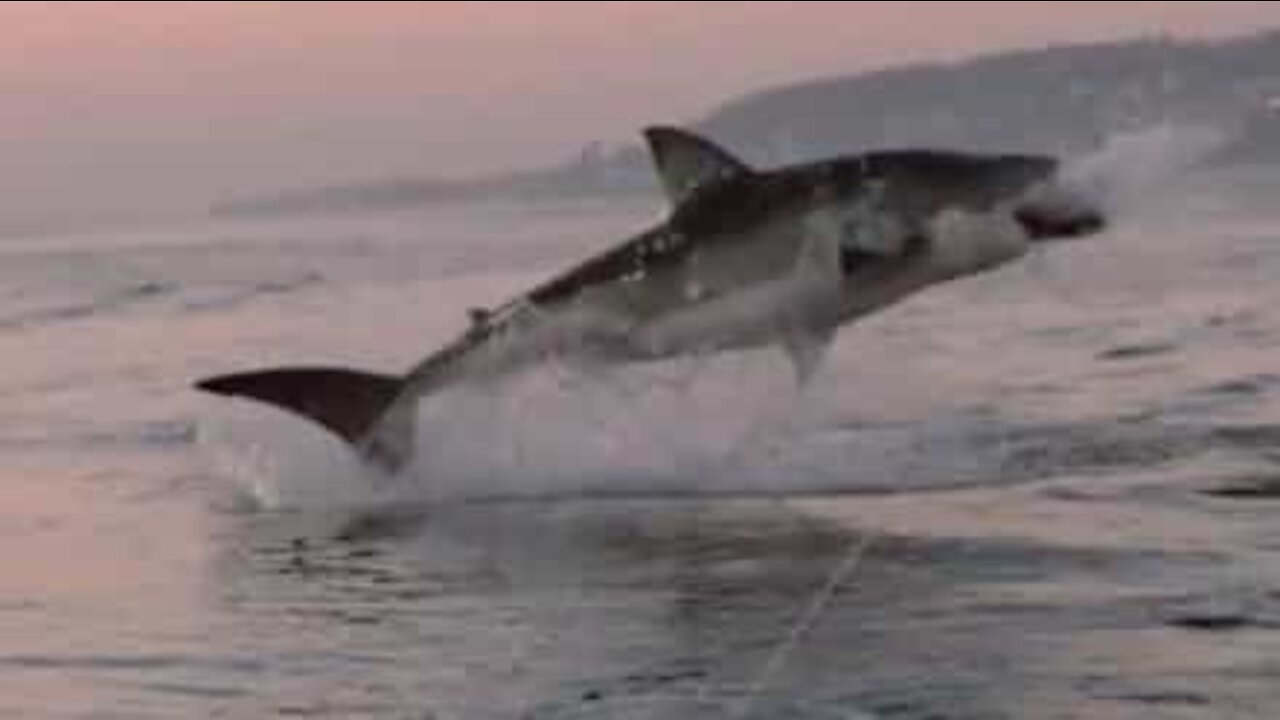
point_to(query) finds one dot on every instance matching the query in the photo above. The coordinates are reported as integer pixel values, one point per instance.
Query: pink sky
(124, 107)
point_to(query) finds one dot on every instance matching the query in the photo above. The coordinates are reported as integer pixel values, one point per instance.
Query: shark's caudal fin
(358, 407)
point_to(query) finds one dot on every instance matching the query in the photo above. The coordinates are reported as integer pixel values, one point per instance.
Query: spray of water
(677, 427)
(1131, 169)
(1133, 177)
(733, 427)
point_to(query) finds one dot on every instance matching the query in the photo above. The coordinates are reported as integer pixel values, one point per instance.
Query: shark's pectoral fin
(686, 162)
(819, 265)
(814, 315)
(807, 348)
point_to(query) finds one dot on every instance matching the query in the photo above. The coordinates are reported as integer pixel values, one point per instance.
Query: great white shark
(746, 258)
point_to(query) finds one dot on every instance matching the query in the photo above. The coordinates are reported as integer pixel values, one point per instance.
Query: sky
(130, 109)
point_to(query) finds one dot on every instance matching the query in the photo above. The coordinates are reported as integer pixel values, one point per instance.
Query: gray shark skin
(747, 258)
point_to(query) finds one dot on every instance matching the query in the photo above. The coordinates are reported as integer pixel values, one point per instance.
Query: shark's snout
(1043, 223)
(1041, 199)
(1053, 212)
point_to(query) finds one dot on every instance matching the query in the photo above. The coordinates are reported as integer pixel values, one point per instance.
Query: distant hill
(588, 176)
(1061, 100)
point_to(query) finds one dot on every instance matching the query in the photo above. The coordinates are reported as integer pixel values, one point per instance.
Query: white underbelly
(749, 317)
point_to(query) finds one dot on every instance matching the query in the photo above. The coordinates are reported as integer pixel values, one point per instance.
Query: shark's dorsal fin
(686, 162)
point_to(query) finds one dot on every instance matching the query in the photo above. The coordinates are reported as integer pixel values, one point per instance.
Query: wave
(104, 303)
(223, 298)
(149, 434)
(157, 293)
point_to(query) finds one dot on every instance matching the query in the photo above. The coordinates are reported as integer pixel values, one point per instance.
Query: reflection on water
(561, 610)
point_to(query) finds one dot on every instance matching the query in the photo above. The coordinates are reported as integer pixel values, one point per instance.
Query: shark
(746, 258)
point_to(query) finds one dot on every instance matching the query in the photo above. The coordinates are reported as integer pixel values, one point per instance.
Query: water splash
(272, 462)
(732, 427)
(1131, 170)
(1137, 178)
(678, 427)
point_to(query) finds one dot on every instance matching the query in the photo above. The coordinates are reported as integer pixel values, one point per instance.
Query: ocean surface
(1048, 492)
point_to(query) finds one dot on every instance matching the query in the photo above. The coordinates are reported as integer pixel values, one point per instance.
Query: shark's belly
(750, 317)
(685, 310)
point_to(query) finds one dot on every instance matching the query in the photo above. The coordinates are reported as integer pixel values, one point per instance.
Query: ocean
(1046, 492)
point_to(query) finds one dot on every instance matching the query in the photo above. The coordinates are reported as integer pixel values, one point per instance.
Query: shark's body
(746, 259)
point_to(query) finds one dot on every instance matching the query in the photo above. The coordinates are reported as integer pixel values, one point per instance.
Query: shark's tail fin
(358, 407)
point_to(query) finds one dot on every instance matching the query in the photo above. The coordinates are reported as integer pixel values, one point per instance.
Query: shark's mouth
(1055, 210)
